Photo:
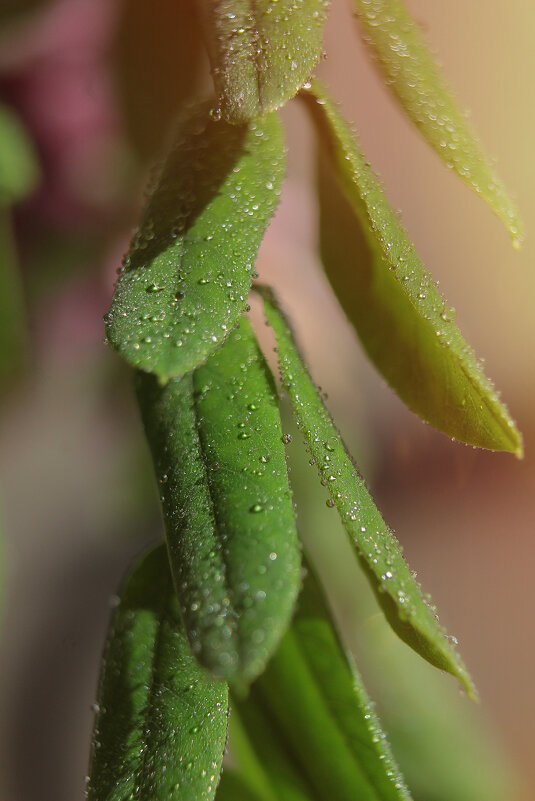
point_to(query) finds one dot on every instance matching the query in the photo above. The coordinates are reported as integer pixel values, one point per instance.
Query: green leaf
(261, 52)
(313, 697)
(403, 322)
(217, 447)
(161, 727)
(13, 338)
(186, 277)
(19, 171)
(398, 593)
(396, 42)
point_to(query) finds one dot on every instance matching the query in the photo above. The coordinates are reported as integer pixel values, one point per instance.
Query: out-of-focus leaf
(13, 340)
(403, 322)
(397, 44)
(19, 171)
(217, 446)
(233, 787)
(262, 52)
(161, 727)
(397, 591)
(185, 280)
(313, 698)
(158, 59)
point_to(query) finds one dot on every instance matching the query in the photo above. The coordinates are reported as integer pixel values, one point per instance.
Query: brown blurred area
(77, 499)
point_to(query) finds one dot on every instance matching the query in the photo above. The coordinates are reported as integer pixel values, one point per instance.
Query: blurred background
(93, 85)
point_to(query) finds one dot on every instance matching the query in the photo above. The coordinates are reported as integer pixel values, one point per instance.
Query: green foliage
(161, 727)
(261, 53)
(217, 445)
(303, 725)
(19, 171)
(396, 42)
(185, 280)
(407, 328)
(398, 593)
(313, 700)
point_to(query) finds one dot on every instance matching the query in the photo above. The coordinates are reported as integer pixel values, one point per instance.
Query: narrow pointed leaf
(402, 320)
(313, 697)
(161, 727)
(398, 593)
(261, 53)
(217, 446)
(399, 47)
(185, 280)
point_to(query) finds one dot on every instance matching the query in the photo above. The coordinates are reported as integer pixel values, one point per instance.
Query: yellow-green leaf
(405, 325)
(399, 47)
(261, 52)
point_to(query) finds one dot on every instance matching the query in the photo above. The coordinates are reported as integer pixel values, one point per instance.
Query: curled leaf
(410, 615)
(161, 724)
(261, 52)
(185, 280)
(217, 446)
(313, 700)
(403, 322)
(411, 72)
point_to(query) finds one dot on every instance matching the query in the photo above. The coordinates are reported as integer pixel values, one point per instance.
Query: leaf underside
(261, 52)
(396, 42)
(397, 591)
(217, 447)
(403, 322)
(320, 723)
(185, 280)
(161, 727)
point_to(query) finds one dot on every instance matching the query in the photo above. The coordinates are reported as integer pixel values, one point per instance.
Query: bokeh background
(94, 82)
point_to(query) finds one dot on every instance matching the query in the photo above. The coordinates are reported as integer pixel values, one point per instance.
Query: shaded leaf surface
(186, 277)
(407, 329)
(217, 446)
(402, 54)
(13, 337)
(314, 699)
(161, 728)
(261, 51)
(398, 593)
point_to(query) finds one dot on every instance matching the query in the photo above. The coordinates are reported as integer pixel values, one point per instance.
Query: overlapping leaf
(404, 324)
(162, 723)
(217, 445)
(397, 43)
(261, 52)
(324, 726)
(186, 277)
(397, 591)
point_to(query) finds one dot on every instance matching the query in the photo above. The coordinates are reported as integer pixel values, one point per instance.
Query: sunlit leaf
(217, 446)
(397, 591)
(403, 322)
(19, 171)
(186, 277)
(402, 54)
(261, 52)
(161, 725)
(313, 698)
